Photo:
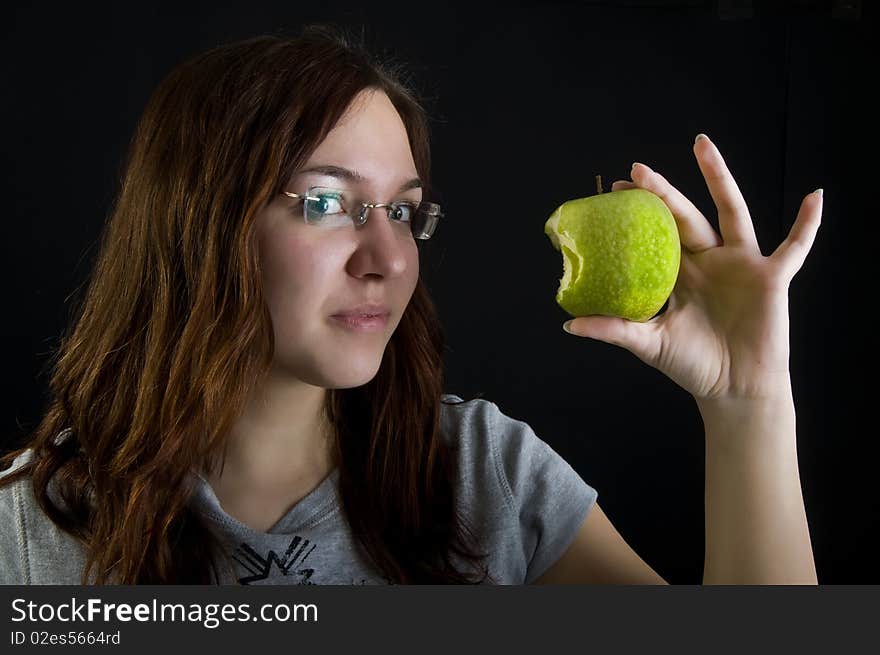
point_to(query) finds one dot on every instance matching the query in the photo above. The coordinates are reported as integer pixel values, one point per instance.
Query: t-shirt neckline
(308, 511)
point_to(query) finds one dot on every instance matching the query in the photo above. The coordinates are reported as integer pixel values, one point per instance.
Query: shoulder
(493, 441)
(466, 420)
(488, 441)
(516, 485)
(12, 548)
(479, 424)
(33, 550)
(11, 494)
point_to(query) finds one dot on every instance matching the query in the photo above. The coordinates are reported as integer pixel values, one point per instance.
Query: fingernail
(700, 136)
(640, 164)
(566, 325)
(821, 192)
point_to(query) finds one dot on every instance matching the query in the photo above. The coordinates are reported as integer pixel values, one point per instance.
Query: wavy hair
(173, 333)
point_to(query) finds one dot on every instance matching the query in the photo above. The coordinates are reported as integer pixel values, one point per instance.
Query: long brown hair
(173, 333)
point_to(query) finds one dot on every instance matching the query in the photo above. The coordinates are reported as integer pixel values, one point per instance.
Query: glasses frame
(430, 209)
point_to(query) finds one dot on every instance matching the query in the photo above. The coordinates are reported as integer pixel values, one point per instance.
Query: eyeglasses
(332, 207)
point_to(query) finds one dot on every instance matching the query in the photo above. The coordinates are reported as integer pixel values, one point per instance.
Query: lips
(375, 323)
(367, 310)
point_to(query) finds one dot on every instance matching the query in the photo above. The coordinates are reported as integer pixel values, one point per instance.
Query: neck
(282, 439)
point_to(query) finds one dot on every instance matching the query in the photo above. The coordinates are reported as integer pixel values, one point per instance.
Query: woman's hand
(725, 332)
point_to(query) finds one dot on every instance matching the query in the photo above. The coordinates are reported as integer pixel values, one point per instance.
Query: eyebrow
(353, 176)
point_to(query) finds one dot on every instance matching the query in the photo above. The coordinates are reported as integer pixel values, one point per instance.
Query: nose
(382, 247)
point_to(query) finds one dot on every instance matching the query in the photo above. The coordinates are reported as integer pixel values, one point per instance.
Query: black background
(530, 101)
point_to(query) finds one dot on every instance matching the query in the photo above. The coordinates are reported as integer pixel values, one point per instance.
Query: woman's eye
(326, 204)
(403, 212)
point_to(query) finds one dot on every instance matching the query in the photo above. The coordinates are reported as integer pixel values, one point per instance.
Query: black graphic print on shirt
(290, 564)
(261, 568)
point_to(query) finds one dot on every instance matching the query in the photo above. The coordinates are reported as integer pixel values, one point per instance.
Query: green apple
(620, 253)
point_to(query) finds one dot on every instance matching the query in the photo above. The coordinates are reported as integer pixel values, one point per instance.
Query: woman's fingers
(696, 232)
(733, 214)
(642, 339)
(792, 252)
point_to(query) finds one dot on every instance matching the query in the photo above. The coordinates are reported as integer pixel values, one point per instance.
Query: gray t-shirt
(521, 499)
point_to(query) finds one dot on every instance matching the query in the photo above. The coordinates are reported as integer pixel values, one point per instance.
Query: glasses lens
(425, 220)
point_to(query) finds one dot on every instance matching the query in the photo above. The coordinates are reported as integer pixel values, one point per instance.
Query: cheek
(401, 286)
(291, 274)
(413, 267)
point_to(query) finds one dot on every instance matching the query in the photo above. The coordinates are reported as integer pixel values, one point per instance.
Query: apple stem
(599, 184)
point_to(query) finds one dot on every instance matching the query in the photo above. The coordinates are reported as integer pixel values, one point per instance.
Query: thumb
(641, 339)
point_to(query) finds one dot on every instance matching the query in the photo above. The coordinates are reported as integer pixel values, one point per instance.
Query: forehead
(370, 138)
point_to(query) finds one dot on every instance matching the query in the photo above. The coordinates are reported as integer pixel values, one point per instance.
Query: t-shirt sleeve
(12, 571)
(549, 498)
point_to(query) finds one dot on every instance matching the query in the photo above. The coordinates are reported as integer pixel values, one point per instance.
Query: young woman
(252, 390)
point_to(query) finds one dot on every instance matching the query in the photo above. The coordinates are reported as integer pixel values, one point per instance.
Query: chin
(343, 373)
(352, 376)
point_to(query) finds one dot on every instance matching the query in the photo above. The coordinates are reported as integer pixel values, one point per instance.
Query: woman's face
(312, 272)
